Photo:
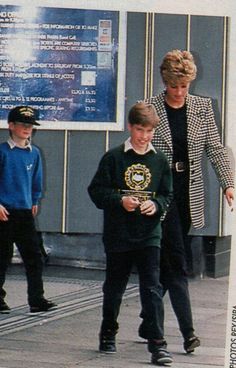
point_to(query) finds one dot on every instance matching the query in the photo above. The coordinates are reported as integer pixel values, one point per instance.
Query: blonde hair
(178, 64)
(143, 113)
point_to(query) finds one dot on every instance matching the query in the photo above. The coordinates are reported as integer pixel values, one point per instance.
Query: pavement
(68, 336)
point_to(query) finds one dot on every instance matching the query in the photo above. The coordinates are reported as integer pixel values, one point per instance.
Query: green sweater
(121, 171)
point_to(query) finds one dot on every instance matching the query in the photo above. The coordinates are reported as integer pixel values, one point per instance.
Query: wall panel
(51, 144)
(85, 150)
(170, 33)
(207, 45)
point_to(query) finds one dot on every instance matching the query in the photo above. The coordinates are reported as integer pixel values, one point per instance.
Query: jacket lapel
(194, 120)
(163, 128)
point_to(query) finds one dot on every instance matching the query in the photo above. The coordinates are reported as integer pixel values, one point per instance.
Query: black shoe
(44, 306)
(161, 357)
(4, 308)
(160, 354)
(191, 343)
(107, 343)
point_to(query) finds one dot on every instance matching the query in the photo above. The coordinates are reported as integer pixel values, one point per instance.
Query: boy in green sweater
(133, 186)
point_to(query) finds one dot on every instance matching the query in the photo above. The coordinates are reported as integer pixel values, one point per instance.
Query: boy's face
(141, 136)
(20, 130)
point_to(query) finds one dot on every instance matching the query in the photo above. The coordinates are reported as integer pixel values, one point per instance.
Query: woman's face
(176, 92)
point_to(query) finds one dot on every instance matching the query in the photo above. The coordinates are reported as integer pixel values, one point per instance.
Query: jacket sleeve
(102, 189)
(216, 152)
(37, 180)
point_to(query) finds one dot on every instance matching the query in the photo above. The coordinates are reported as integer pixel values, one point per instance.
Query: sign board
(69, 64)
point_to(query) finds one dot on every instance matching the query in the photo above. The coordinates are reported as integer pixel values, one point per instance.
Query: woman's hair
(176, 65)
(143, 114)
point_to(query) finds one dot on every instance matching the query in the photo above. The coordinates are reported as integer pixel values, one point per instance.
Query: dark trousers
(182, 212)
(119, 266)
(20, 229)
(175, 240)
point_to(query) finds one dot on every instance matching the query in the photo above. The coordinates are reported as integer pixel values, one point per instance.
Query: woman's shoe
(191, 343)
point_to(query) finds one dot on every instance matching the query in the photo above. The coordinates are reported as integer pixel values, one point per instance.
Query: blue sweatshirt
(20, 176)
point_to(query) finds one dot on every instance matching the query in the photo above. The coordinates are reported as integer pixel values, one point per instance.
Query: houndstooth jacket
(202, 135)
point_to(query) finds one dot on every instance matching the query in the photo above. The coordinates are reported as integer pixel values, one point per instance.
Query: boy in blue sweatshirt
(20, 191)
(133, 186)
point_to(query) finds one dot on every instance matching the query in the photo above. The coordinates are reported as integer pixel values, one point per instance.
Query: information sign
(66, 63)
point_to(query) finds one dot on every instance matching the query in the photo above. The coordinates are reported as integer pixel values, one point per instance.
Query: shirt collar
(13, 144)
(128, 146)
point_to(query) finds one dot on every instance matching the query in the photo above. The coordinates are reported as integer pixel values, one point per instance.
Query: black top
(178, 125)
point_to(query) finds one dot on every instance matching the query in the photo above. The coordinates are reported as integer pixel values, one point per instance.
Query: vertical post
(149, 55)
(223, 115)
(64, 196)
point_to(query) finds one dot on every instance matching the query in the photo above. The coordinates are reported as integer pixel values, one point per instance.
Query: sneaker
(161, 357)
(160, 354)
(191, 343)
(4, 308)
(107, 343)
(44, 306)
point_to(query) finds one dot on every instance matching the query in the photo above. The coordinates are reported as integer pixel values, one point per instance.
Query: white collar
(128, 146)
(13, 144)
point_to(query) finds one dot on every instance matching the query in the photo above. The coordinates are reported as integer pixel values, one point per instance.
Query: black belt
(179, 166)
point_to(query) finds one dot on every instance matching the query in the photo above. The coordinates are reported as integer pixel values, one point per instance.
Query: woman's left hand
(229, 194)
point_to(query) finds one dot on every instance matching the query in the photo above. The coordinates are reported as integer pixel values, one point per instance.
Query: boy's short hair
(143, 113)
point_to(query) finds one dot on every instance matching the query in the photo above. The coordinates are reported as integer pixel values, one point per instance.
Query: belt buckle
(177, 164)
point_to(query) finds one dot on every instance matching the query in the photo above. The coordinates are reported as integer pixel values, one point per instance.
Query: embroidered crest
(26, 111)
(137, 177)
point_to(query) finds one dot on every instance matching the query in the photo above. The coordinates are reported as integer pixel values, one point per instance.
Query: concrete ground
(68, 337)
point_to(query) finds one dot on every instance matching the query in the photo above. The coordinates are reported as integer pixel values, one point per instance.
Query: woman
(187, 128)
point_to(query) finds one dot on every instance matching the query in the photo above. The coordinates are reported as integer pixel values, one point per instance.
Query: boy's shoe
(107, 343)
(4, 308)
(161, 357)
(191, 343)
(160, 354)
(43, 306)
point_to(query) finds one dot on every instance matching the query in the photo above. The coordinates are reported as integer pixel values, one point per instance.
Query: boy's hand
(148, 208)
(3, 213)
(34, 210)
(130, 203)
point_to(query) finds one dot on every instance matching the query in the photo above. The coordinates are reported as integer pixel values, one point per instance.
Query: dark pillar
(217, 255)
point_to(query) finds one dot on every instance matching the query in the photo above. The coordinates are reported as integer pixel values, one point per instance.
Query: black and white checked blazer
(202, 135)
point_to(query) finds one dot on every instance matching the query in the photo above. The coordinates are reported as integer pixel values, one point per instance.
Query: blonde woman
(186, 130)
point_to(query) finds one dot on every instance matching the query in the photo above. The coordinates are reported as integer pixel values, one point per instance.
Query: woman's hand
(229, 195)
